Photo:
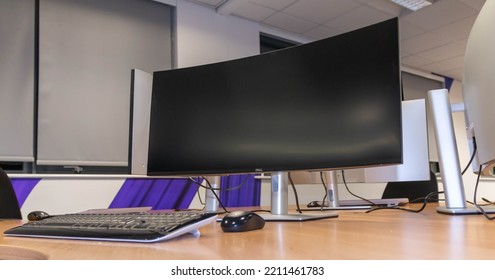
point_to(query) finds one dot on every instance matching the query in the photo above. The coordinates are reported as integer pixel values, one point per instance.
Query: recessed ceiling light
(412, 5)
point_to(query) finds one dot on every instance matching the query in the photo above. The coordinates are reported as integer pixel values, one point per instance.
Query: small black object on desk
(239, 221)
(37, 215)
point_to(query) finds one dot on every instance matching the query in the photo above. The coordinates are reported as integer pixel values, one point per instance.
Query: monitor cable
(324, 190)
(353, 194)
(209, 187)
(480, 208)
(400, 207)
(241, 184)
(200, 198)
(475, 148)
(430, 195)
(296, 197)
(488, 202)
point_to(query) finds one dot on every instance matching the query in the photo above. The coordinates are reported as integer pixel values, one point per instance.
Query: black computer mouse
(317, 204)
(37, 215)
(238, 221)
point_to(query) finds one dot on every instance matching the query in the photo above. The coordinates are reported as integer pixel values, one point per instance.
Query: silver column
(280, 193)
(211, 201)
(450, 170)
(330, 178)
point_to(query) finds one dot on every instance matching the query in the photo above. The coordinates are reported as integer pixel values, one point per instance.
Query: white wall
(203, 36)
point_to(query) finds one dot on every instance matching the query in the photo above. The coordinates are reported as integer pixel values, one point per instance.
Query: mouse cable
(295, 193)
(399, 207)
(475, 195)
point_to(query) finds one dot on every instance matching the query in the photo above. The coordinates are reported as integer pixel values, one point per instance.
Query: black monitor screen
(329, 104)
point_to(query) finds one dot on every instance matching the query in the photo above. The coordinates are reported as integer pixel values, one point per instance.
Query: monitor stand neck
(333, 201)
(332, 188)
(280, 202)
(211, 195)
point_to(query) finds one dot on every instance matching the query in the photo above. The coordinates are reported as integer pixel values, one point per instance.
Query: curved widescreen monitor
(329, 104)
(478, 87)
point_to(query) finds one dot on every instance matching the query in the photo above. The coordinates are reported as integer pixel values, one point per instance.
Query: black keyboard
(131, 227)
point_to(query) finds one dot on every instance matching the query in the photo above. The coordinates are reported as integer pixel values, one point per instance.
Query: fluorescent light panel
(412, 5)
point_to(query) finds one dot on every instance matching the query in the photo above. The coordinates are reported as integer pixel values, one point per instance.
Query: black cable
(200, 198)
(241, 184)
(216, 195)
(426, 199)
(417, 200)
(295, 193)
(209, 187)
(198, 194)
(489, 202)
(218, 189)
(476, 194)
(325, 190)
(357, 196)
(475, 147)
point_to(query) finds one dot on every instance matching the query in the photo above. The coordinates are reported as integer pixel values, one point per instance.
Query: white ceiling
(433, 39)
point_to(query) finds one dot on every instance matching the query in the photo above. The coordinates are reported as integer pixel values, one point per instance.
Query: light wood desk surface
(383, 235)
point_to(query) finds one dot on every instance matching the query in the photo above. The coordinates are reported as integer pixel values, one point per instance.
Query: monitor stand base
(336, 208)
(469, 210)
(298, 217)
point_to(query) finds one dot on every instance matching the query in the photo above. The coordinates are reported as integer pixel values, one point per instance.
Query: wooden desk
(385, 234)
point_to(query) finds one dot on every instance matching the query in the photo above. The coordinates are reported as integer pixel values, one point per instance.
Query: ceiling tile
(385, 6)
(254, 12)
(320, 11)
(477, 4)
(357, 18)
(321, 32)
(423, 42)
(274, 4)
(408, 30)
(455, 62)
(415, 61)
(440, 14)
(443, 52)
(437, 67)
(458, 30)
(289, 23)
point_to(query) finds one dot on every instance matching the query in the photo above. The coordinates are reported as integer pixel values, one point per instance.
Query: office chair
(9, 206)
(413, 190)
